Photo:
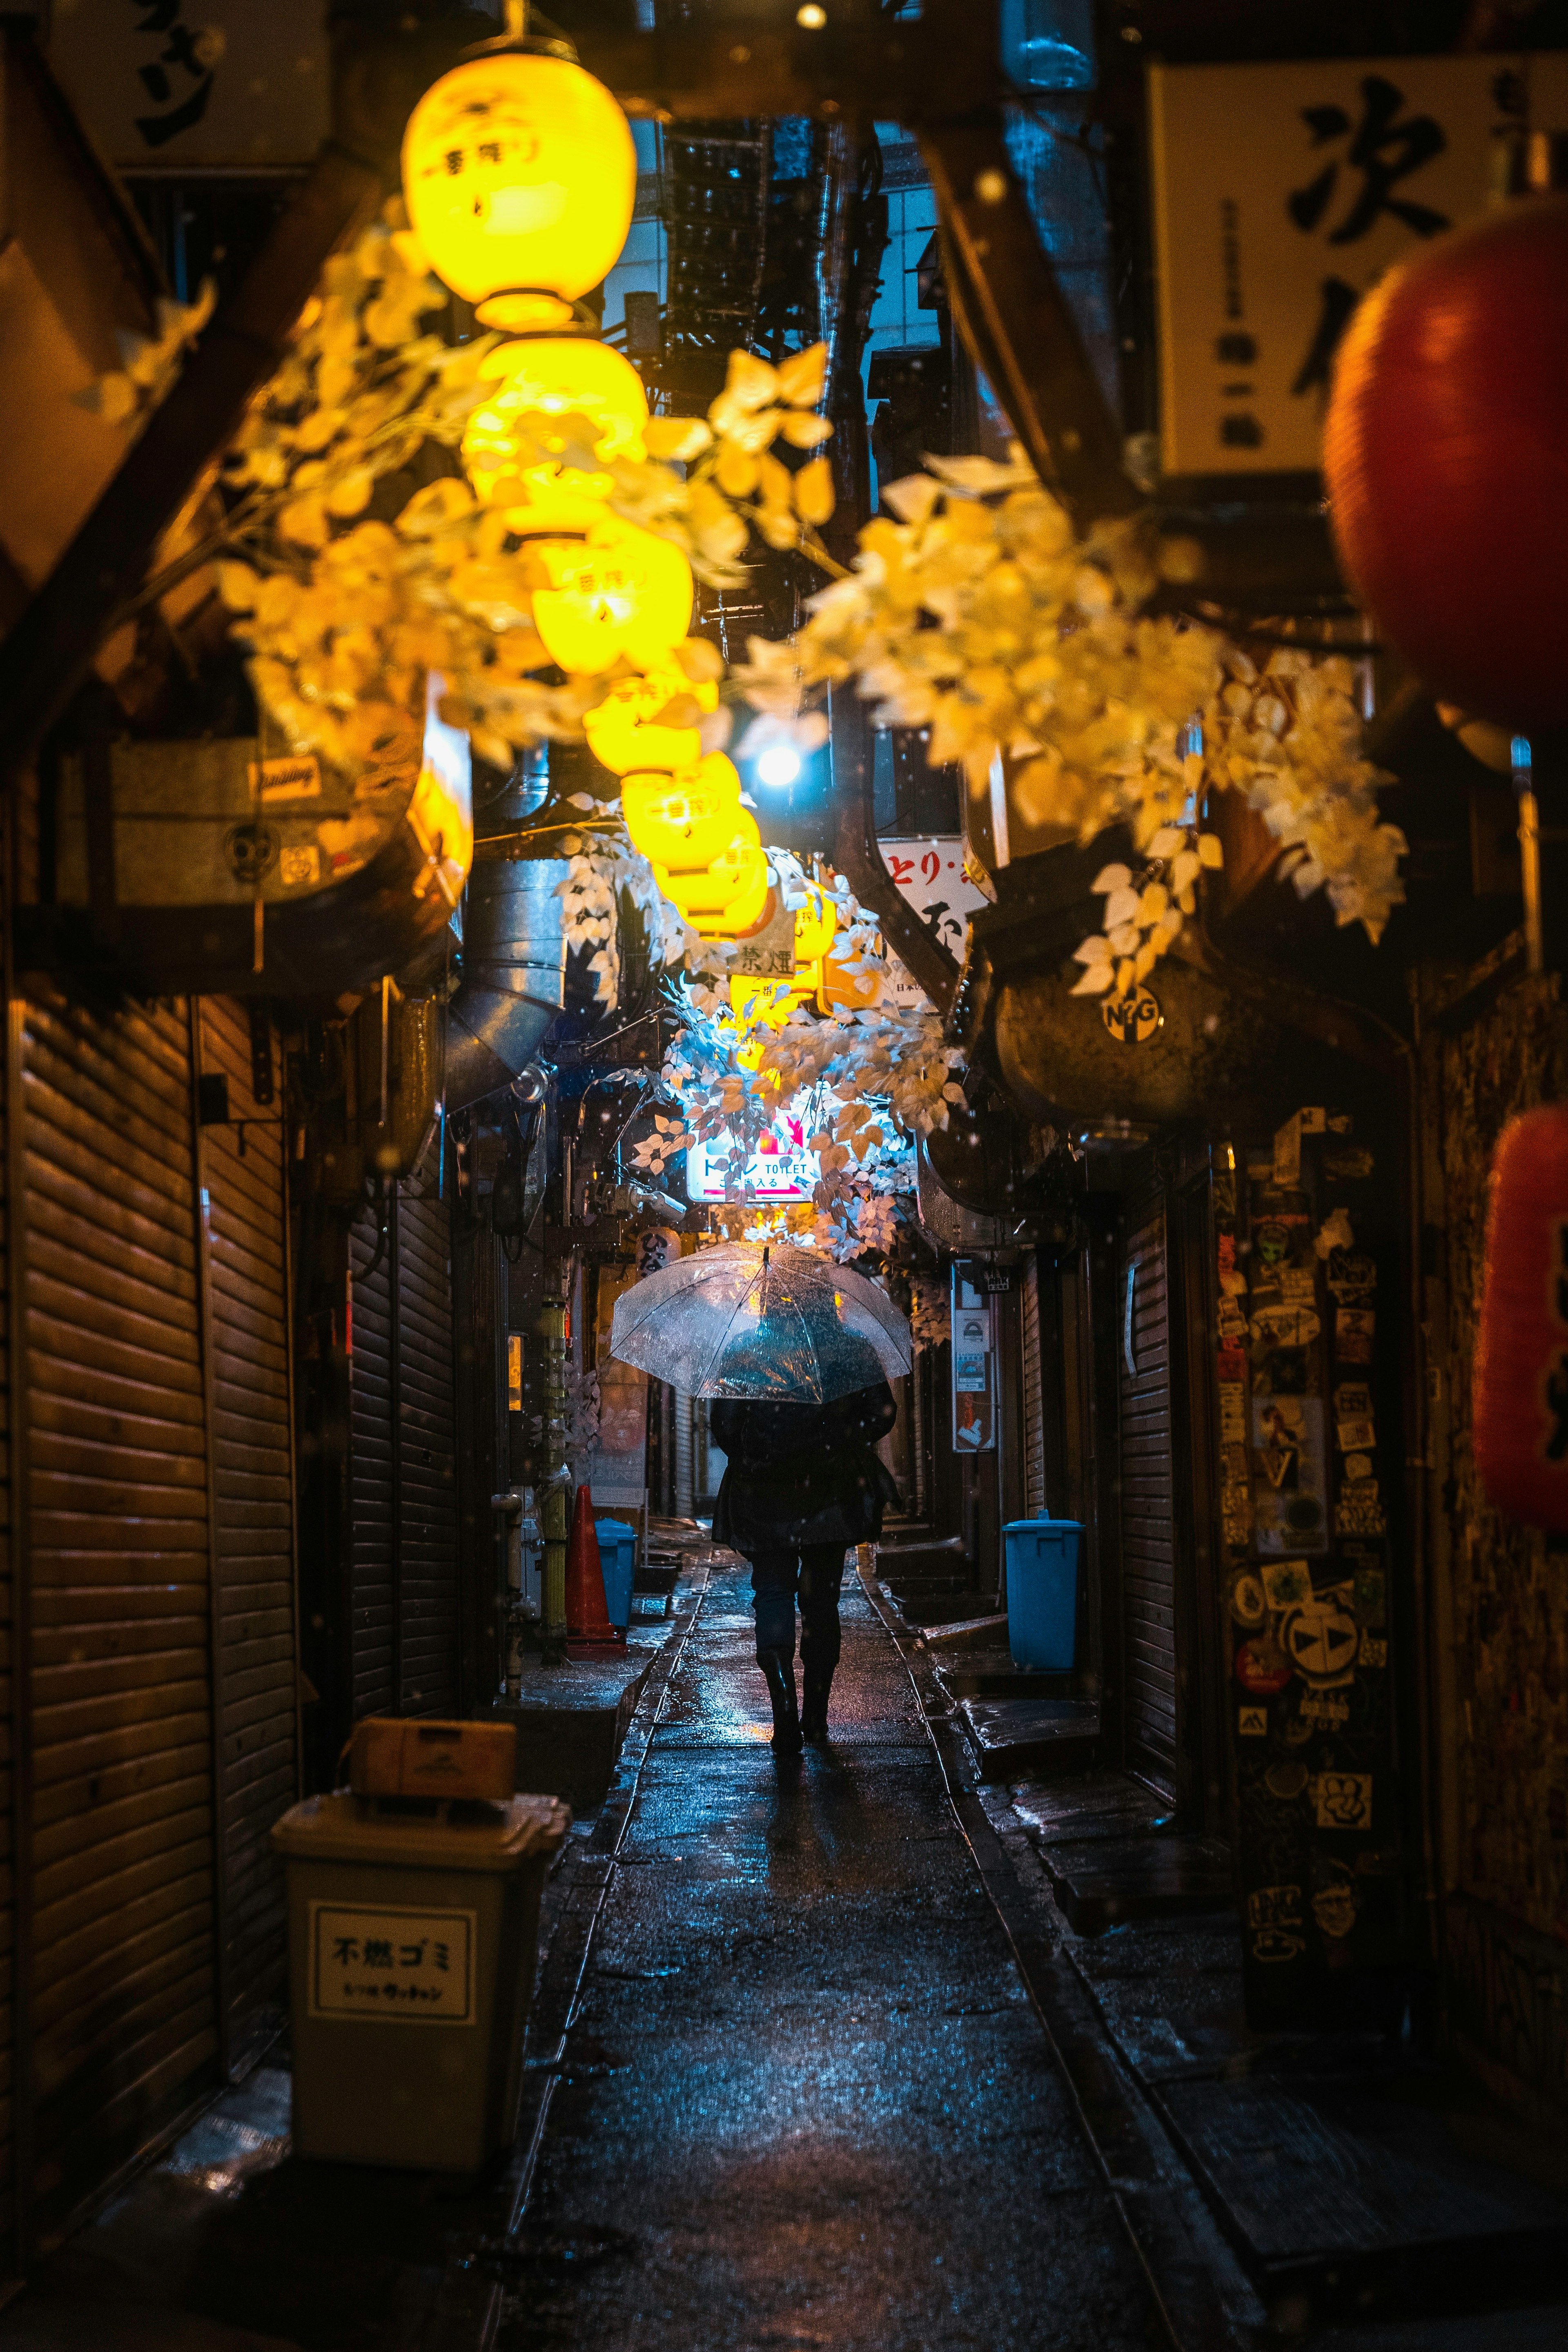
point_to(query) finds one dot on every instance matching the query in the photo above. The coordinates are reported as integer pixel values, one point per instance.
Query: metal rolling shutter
(685, 1409)
(246, 1226)
(122, 1813)
(375, 1518)
(8, 1875)
(1148, 1533)
(1034, 1396)
(426, 1427)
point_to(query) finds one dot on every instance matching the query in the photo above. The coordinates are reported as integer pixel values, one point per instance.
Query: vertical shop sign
(973, 1362)
(1282, 192)
(164, 88)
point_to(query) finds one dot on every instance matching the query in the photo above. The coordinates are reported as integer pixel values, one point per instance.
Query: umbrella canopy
(777, 1326)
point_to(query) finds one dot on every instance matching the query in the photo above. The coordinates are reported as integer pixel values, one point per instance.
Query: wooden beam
(940, 77)
(1009, 307)
(49, 650)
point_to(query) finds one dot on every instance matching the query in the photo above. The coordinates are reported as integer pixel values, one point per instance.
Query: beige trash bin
(411, 1939)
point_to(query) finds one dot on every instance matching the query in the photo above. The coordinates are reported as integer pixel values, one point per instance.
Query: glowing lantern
(1519, 1417)
(625, 732)
(815, 924)
(725, 900)
(548, 386)
(520, 176)
(850, 991)
(613, 589)
(1445, 461)
(703, 846)
(686, 822)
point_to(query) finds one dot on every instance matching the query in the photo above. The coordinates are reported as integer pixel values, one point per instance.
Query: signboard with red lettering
(781, 1169)
(930, 875)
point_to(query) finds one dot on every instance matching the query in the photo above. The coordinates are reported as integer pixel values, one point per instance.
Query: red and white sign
(930, 875)
(781, 1169)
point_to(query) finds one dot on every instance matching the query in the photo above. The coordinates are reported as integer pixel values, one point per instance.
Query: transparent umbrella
(775, 1325)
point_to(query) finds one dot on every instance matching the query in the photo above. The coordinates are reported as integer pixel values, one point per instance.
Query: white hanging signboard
(1281, 193)
(974, 1391)
(788, 1173)
(930, 874)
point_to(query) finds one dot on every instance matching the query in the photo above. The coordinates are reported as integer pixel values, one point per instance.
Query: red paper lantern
(1521, 1394)
(1446, 460)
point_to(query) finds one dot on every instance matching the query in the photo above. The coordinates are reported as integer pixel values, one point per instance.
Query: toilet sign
(973, 1355)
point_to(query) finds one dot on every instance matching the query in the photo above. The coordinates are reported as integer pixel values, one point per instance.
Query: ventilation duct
(514, 956)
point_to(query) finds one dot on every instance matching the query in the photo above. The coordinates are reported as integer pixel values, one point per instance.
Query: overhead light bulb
(778, 766)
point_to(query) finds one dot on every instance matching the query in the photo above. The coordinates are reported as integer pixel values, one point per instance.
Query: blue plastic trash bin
(617, 1556)
(1042, 1592)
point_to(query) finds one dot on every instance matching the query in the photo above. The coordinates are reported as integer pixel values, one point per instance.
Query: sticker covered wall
(1303, 1442)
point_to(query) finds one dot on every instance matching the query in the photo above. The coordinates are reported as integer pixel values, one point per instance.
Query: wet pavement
(815, 2057)
(806, 2097)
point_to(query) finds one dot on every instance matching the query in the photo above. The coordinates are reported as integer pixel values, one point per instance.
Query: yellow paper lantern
(520, 176)
(625, 733)
(686, 822)
(615, 590)
(544, 386)
(816, 925)
(725, 900)
(850, 991)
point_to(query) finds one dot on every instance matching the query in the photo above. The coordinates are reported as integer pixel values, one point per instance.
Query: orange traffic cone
(589, 1632)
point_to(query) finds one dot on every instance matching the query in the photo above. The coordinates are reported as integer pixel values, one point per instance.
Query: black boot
(816, 1681)
(779, 1673)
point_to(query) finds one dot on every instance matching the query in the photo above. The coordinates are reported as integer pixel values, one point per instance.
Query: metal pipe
(553, 1627)
(514, 976)
(1529, 851)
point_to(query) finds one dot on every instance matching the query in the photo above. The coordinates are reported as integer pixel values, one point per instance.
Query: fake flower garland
(975, 612)
(979, 614)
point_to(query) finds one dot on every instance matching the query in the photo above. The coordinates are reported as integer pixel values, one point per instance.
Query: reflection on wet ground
(808, 2101)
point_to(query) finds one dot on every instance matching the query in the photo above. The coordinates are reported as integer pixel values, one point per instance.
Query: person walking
(803, 1482)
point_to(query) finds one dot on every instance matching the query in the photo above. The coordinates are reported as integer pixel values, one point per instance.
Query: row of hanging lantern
(519, 179)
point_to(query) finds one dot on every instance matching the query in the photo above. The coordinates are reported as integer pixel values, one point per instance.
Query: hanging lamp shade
(688, 821)
(612, 590)
(520, 176)
(628, 731)
(703, 846)
(1521, 1383)
(726, 899)
(1445, 462)
(816, 925)
(552, 393)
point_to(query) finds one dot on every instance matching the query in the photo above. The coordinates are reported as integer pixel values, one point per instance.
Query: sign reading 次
(1281, 193)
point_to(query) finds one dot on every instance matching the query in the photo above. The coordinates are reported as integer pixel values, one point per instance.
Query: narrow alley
(784, 828)
(807, 2100)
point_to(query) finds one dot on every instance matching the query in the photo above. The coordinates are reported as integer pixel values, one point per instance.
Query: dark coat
(804, 1474)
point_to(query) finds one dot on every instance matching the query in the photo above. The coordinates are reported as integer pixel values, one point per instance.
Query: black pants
(815, 1572)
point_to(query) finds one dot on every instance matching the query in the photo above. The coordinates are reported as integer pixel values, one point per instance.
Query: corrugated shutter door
(685, 1412)
(122, 1976)
(253, 1496)
(7, 1746)
(1034, 1396)
(1148, 1532)
(374, 1621)
(427, 1431)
